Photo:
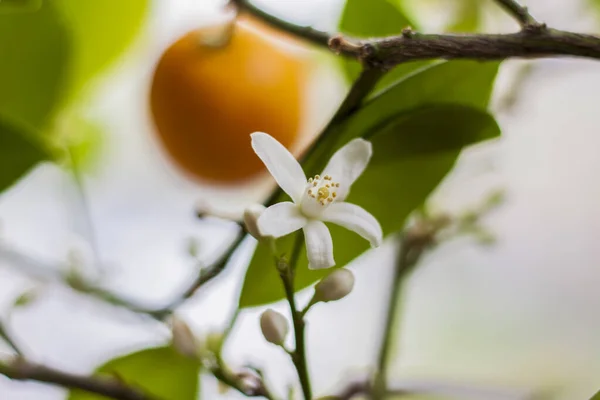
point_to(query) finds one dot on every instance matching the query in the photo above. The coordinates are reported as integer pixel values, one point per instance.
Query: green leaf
(35, 50)
(417, 128)
(596, 396)
(101, 31)
(19, 152)
(374, 18)
(468, 17)
(371, 18)
(161, 372)
(12, 6)
(50, 55)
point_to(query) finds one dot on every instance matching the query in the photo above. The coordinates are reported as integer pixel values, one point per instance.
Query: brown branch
(535, 40)
(23, 370)
(387, 52)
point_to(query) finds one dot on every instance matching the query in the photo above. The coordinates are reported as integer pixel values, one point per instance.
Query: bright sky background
(524, 312)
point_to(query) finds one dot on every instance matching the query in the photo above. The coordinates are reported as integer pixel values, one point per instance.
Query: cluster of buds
(335, 286)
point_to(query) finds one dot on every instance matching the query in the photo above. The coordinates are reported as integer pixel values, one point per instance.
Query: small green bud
(193, 247)
(274, 327)
(26, 298)
(251, 216)
(334, 286)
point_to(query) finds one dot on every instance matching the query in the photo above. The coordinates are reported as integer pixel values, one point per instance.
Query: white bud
(184, 340)
(274, 327)
(334, 286)
(251, 216)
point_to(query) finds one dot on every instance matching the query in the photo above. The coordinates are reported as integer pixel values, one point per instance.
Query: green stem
(409, 254)
(298, 355)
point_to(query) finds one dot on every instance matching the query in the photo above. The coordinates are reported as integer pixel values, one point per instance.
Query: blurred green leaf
(36, 50)
(101, 31)
(596, 396)
(19, 152)
(50, 55)
(374, 18)
(161, 372)
(468, 16)
(16, 6)
(417, 128)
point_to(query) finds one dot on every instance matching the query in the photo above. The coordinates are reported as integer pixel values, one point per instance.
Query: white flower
(317, 199)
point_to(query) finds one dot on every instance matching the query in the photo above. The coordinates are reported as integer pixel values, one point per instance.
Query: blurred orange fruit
(207, 100)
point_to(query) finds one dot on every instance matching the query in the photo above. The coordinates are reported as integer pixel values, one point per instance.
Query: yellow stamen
(323, 193)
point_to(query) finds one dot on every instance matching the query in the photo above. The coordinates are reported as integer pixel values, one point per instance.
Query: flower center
(322, 189)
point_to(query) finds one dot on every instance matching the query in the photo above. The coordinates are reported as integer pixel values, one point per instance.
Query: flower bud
(251, 216)
(274, 327)
(184, 340)
(334, 286)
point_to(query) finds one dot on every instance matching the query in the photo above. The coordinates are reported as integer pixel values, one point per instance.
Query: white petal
(280, 219)
(356, 219)
(319, 246)
(348, 163)
(281, 164)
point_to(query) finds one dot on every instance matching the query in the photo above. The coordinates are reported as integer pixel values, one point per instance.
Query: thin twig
(204, 276)
(47, 272)
(521, 14)
(7, 337)
(305, 32)
(250, 385)
(23, 370)
(412, 245)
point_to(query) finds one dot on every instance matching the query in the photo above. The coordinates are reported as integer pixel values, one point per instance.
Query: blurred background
(520, 313)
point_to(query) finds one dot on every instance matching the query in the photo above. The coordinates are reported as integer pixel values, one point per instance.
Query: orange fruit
(207, 100)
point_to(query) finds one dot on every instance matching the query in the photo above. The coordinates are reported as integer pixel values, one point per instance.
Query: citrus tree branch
(49, 273)
(387, 52)
(535, 40)
(22, 370)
